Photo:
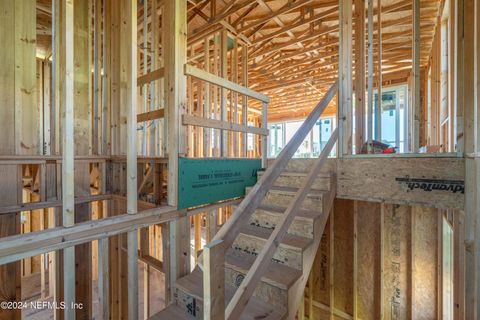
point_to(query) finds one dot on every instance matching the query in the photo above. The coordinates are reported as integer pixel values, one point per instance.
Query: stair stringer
(297, 290)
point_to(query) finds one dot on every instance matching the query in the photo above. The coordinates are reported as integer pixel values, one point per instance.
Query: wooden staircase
(269, 243)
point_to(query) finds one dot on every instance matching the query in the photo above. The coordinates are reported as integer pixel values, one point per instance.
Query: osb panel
(8, 190)
(321, 270)
(51, 181)
(82, 179)
(396, 259)
(374, 179)
(407, 273)
(368, 250)
(425, 231)
(343, 255)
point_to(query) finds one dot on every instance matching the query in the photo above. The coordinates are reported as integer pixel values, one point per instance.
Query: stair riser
(194, 307)
(299, 227)
(190, 305)
(296, 181)
(291, 257)
(264, 291)
(276, 198)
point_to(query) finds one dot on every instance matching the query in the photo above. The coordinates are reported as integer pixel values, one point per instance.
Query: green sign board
(202, 181)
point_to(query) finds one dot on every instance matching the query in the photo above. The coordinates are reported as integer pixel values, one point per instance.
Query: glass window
(250, 139)
(393, 119)
(276, 139)
(281, 133)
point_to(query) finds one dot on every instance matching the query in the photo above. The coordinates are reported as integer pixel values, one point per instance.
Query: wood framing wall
(18, 119)
(375, 259)
(379, 261)
(437, 127)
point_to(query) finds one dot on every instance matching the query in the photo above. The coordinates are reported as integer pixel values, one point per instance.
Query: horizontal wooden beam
(290, 6)
(300, 23)
(140, 159)
(26, 245)
(219, 124)
(152, 262)
(50, 204)
(42, 159)
(424, 180)
(224, 83)
(22, 246)
(150, 76)
(151, 115)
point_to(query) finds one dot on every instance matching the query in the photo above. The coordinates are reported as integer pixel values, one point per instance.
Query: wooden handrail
(224, 83)
(252, 200)
(262, 261)
(223, 125)
(21, 246)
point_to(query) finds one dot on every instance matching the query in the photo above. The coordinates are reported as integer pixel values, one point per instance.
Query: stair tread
(277, 274)
(293, 190)
(299, 173)
(296, 242)
(256, 309)
(300, 213)
(172, 312)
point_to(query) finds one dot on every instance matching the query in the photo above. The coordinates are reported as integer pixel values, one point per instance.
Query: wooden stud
(105, 65)
(197, 219)
(223, 92)
(244, 97)
(440, 254)
(470, 150)
(146, 291)
(355, 259)
(103, 276)
(359, 75)
(370, 77)
(264, 137)
(131, 28)
(67, 50)
(415, 138)
(331, 264)
(458, 77)
(175, 92)
(214, 280)
(97, 77)
(382, 261)
(165, 228)
(345, 77)
(145, 71)
(207, 103)
(459, 266)
(380, 72)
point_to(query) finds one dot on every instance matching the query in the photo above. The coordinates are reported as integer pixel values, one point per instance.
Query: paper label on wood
(203, 181)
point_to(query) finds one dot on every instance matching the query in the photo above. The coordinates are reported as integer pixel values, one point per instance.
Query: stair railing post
(264, 137)
(214, 281)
